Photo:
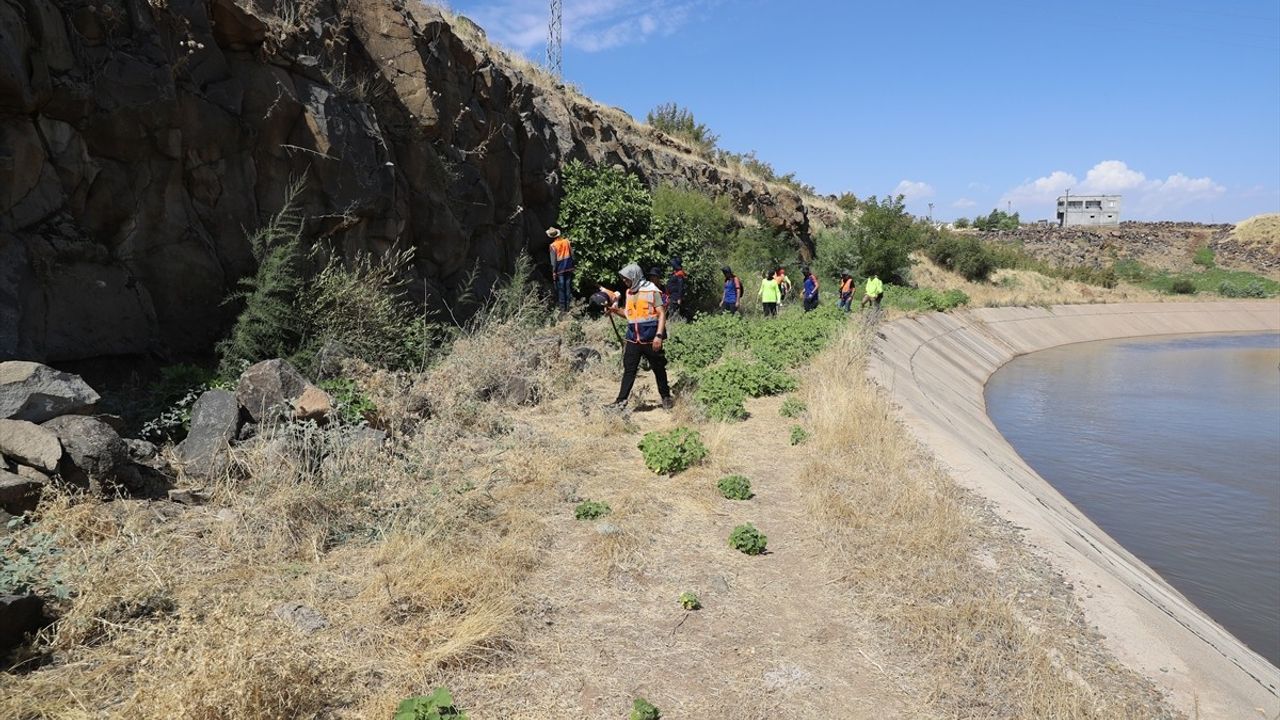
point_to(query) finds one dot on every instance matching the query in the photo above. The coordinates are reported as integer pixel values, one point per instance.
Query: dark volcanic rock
(269, 388)
(34, 392)
(92, 451)
(215, 417)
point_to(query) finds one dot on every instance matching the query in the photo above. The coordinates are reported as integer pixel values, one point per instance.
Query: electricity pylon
(554, 61)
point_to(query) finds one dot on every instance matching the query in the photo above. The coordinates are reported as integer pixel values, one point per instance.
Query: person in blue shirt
(810, 290)
(732, 291)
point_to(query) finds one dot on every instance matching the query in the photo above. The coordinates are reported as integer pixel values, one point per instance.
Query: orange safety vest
(846, 287)
(563, 253)
(642, 314)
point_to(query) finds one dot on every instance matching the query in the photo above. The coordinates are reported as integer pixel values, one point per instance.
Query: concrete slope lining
(935, 368)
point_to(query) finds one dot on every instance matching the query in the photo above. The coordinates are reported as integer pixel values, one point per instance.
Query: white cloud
(963, 203)
(912, 190)
(1143, 198)
(589, 25)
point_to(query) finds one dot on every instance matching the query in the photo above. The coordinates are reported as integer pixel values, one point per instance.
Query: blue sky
(1175, 105)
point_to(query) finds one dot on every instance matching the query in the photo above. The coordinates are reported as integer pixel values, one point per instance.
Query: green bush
(1204, 257)
(1253, 289)
(269, 325)
(792, 408)
(964, 255)
(961, 223)
(799, 435)
(735, 487)
(907, 298)
(642, 709)
(32, 563)
(694, 346)
(689, 601)
(722, 389)
(747, 539)
(591, 510)
(168, 401)
(997, 220)
(877, 242)
(351, 405)
(608, 214)
(436, 706)
(1182, 286)
(668, 453)
(698, 229)
(674, 120)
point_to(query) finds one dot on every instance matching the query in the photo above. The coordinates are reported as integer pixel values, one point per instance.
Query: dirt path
(775, 638)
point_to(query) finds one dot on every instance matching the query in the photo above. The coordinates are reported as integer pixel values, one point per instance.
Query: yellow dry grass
(967, 613)
(1025, 287)
(1260, 231)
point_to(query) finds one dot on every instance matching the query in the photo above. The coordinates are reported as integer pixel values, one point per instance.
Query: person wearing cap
(769, 294)
(646, 316)
(561, 267)
(655, 276)
(732, 291)
(846, 291)
(872, 292)
(675, 291)
(810, 290)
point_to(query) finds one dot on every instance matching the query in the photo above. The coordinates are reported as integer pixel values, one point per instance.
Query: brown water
(1172, 446)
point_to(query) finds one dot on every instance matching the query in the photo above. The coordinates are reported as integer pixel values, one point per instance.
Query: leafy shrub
(799, 435)
(723, 388)
(642, 709)
(961, 223)
(689, 601)
(32, 563)
(997, 220)
(591, 510)
(1204, 257)
(169, 400)
(697, 228)
(351, 406)
(964, 255)
(1182, 286)
(908, 298)
(1253, 289)
(436, 706)
(791, 339)
(735, 487)
(877, 242)
(792, 408)
(667, 453)
(747, 539)
(696, 345)
(672, 119)
(608, 214)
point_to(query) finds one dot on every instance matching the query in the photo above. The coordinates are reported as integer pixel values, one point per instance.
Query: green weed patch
(748, 540)
(668, 453)
(735, 487)
(591, 510)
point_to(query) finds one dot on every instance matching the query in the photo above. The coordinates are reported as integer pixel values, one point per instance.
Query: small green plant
(353, 406)
(667, 453)
(1204, 257)
(792, 408)
(689, 601)
(1182, 286)
(735, 487)
(436, 706)
(591, 510)
(642, 709)
(34, 563)
(723, 388)
(798, 435)
(748, 540)
(1253, 289)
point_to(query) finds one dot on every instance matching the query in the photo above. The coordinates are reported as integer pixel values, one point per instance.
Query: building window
(1093, 204)
(1074, 204)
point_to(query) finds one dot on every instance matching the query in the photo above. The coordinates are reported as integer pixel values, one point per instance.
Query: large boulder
(268, 389)
(274, 389)
(93, 451)
(214, 420)
(29, 444)
(19, 494)
(36, 393)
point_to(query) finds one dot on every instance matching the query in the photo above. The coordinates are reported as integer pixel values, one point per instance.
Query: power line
(554, 44)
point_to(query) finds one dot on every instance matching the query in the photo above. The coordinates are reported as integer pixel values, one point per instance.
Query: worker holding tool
(561, 267)
(644, 310)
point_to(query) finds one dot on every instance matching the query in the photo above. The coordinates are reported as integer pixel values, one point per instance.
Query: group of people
(775, 287)
(648, 304)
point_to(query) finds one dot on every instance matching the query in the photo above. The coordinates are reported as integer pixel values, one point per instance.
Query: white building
(1089, 210)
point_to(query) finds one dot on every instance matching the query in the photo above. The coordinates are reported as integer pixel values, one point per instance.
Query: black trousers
(631, 354)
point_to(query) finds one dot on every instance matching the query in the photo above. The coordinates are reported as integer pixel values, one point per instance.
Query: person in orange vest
(561, 267)
(646, 314)
(784, 284)
(846, 291)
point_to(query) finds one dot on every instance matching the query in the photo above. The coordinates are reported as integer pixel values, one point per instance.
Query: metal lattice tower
(554, 46)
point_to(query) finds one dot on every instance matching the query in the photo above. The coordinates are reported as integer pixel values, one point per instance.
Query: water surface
(1172, 446)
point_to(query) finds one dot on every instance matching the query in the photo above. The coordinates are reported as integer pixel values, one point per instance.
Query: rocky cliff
(139, 139)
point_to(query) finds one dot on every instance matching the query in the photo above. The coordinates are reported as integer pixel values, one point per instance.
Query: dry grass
(965, 609)
(1026, 287)
(1260, 231)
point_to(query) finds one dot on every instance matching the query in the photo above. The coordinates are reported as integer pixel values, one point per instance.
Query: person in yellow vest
(846, 291)
(561, 267)
(770, 295)
(646, 315)
(872, 292)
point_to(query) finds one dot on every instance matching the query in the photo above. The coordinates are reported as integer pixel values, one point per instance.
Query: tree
(674, 120)
(608, 214)
(879, 242)
(961, 223)
(848, 202)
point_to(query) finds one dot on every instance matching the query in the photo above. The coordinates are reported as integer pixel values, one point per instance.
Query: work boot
(616, 406)
(668, 403)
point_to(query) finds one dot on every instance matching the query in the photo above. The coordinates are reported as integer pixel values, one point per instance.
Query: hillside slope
(138, 141)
